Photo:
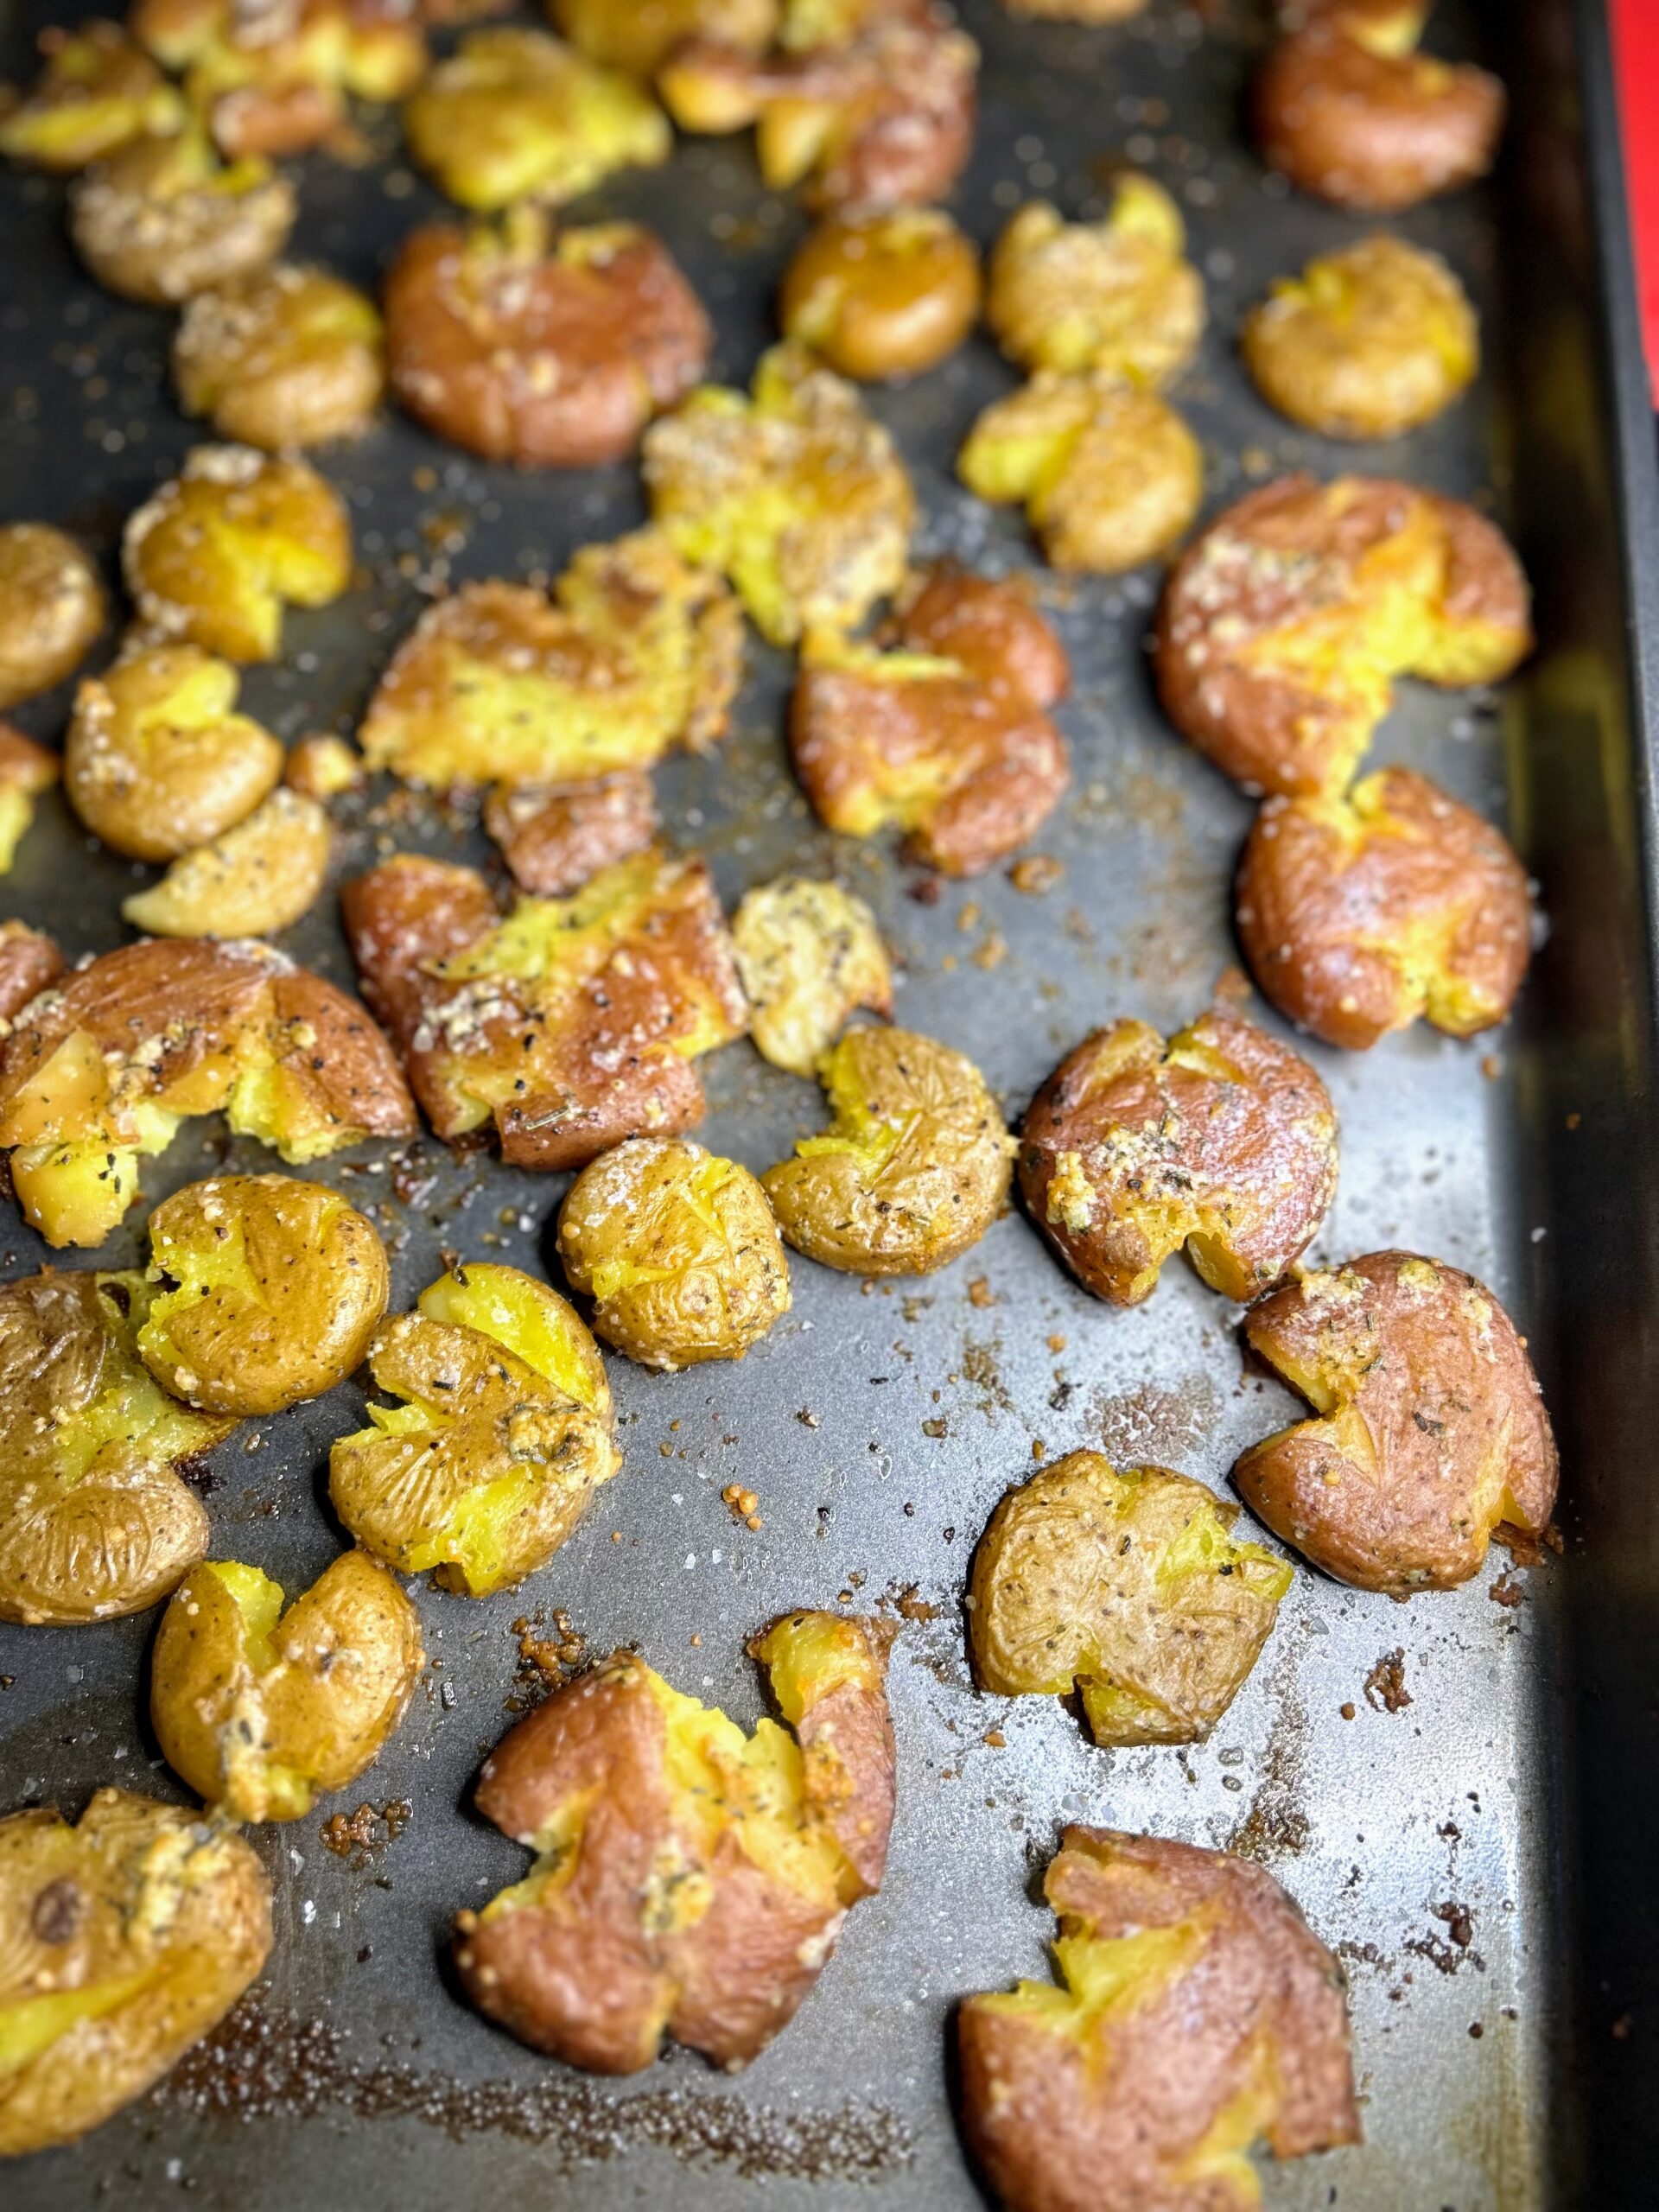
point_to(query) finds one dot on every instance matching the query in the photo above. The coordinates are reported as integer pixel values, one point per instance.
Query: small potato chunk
(158, 761)
(271, 1289)
(97, 93)
(323, 766)
(1128, 1587)
(878, 295)
(946, 735)
(1220, 1139)
(639, 35)
(94, 1520)
(554, 837)
(678, 1251)
(263, 1711)
(124, 1938)
(1115, 296)
(914, 1169)
(1109, 475)
(1361, 915)
(505, 1432)
(162, 219)
(795, 494)
(1430, 1436)
(1368, 342)
(52, 608)
(809, 954)
(1199, 2016)
(1286, 620)
(253, 881)
(26, 771)
(691, 1880)
(284, 357)
(214, 554)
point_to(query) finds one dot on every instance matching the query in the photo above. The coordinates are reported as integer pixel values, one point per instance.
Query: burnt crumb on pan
(1508, 1591)
(1385, 1686)
(358, 1837)
(1447, 1952)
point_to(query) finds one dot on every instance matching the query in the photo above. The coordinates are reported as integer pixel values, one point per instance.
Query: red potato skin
(30, 963)
(554, 838)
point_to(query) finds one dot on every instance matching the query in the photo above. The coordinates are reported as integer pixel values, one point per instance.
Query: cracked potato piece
(163, 218)
(691, 1880)
(26, 771)
(809, 955)
(554, 837)
(1128, 1587)
(52, 608)
(1219, 1139)
(1430, 1435)
(1198, 2015)
(97, 92)
(887, 294)
(283, 357)
(639, 35)
(252, 882)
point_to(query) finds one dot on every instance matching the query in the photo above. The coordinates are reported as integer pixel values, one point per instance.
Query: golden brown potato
(263, 1709)
(52, 608)
(162, 219)
(809, 955)
(946, 735)
(1109, 475)
(323, 766)
(1359, 915)
(1199, 2015)
(678, 1251)
(503, 1434)
(913, 1168)
(252, 882)
(795, 494)
(1287, 619)
(554, 837)
(1130, 1588)
(1076, 11)
(1219, 1138)
(97, 93)
(30, 962)
(124, 1938)
(212, 558)
(94, 1519)
(26, 771)
(281, 357)
(882, 294)
(1431, 1435)
(270, 1291)
(99, 1072)
(690, 1881)
(1368, 343)
(570, 1024)
(1115, 296)
(639, 35)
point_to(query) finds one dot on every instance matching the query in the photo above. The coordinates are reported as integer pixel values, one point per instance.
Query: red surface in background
(1636, 45)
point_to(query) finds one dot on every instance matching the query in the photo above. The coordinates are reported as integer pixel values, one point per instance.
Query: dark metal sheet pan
(1514, 1796)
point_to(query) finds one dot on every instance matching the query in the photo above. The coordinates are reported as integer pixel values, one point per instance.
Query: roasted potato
(52, 608)
(1368, 343)
(884, 293)
(678, 1251)
(253, 881)
(322, 766)
(96, 92)
(505, 1432)
(30, 962)
(1129, 1587)
(809, 955)
(554, 837)
(639, 35)
(913, 1168)
(94, 1519)
(570, 1024)
(99, 1072)
(1076, 11)
(1288, 618)
(1219, 1138)
(1359, 915)
(690, 1881)
(26, 771)
(281, 357)
(124, 1938)
(1109, 475)
(263, 1709)
(1116, 296)
(797, 494)
(1431, 1434)
(212, 558)
(946, 735)
(269, 1291)
(1199, 2015)
(162, 219)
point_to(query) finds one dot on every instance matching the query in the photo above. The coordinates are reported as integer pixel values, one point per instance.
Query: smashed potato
(28, 963)
(283, 357)
(1359, 915)
(913, 1168)
(99, 1072)
(947, 735)
(162, 220)
(124, 1938)
(252, 882)
(263, 1709)
(795, 494)
(1109, 475)
(1287, 619)
(1219, 1138)
(1199, 2015)
(678, 1251)
(639, 35)
(215, 556)
(52, 608)
(504, 1432)
(882, 294)
(690, 1881)
(554, 837)
(1129, 1587)
(97, 93)
(26, 771)
(808, 954)
(1368, 343)
(94, 1519)
(570, 1024)
(269, 1291)
(1430, 1435)
(1116, 296)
